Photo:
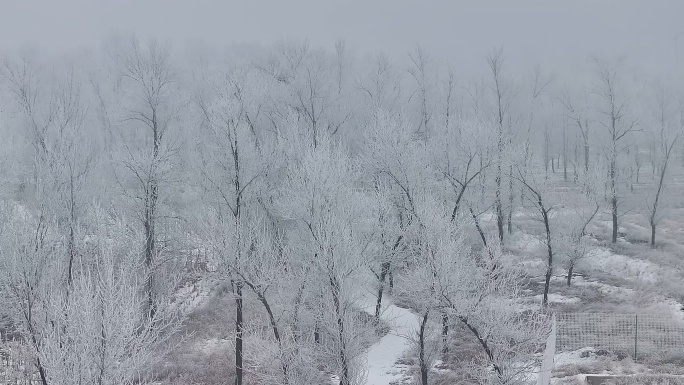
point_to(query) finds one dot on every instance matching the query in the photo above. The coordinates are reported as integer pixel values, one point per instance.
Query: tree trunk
(150, 219)
(391, 280)
(424, 370)
(72, 225)
(575, 164)
(149, 262)
(546, 152)
(565, 157)
(570, 269)
(549, 266)
(344, 377)
(586, 157)
(276, 332)
(510, 200)
(384, 269)
(238, 333)
(499, 208)
(317, 332)
(613, 197)
(445, 332)
(295, 318)
(500, 219)
(484, 344)
(41, 372)
(613, 202)
(653, 234)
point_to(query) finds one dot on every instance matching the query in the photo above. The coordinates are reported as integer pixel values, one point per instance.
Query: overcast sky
(546, 31)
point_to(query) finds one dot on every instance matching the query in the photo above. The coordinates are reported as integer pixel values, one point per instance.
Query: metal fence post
(636, 334)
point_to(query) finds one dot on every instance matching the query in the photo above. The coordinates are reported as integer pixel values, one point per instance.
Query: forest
(252, 215)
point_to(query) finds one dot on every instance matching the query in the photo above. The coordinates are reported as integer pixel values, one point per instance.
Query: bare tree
(664, 138)
(461, 154)
(231, 168)
(474, 289)
(399, 166)
(148, 109)
(382, 85)
(327, 211)
(573, 240)
(501, 91)
(449, 90)
(540, 83)
(536, 196)
(311, 84)
(580, 118)
(418, 70)
(92, 331)
(617, 125)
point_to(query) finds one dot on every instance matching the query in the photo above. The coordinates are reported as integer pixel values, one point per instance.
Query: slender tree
(618, 126)
(501, 92)
(664, 139)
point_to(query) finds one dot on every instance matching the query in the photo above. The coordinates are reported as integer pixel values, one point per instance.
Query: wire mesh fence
(636, 335)
(16, 362)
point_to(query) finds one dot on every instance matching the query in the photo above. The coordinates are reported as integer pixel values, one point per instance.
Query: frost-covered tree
(618, 124)
(327, 213)
(502, 95)
(399, 167)
(381, 85)
(664, 132)
(574, 242)
(479, 290)
(232, 169)
(539, 195)
(140, 104)
(93, 331)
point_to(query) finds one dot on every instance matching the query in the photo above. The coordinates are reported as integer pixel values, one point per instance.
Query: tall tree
(231, 168)
(664, 135)
(618, 125)
(148, 105)
(328, 212)
(501, 92)
(418, 69)
(577, 113)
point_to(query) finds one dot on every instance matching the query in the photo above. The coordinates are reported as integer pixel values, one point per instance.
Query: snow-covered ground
(382, 356)
(602, 259)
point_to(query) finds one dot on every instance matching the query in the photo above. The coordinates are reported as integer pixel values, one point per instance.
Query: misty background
(554, 34)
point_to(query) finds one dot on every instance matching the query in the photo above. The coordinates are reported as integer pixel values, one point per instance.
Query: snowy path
(382, 356)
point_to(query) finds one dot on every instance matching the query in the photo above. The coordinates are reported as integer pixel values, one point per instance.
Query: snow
(631, 268)
(574, 357)
(193, 294)
(487, 217)
(605, 260)
(677, 309)
(606, 289)
(382, 357)
(557, 298)
(525, 242)
(212, 345)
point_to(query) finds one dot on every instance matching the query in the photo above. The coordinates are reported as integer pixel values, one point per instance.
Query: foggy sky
(547, 31)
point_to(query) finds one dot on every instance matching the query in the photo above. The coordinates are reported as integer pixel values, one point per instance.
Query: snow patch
(525, 242)
(558, 298)
(621, 265)
(603, 288)
(382, 357)
(213, 345)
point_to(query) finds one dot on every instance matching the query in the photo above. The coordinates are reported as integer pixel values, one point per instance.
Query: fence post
(636, 334)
